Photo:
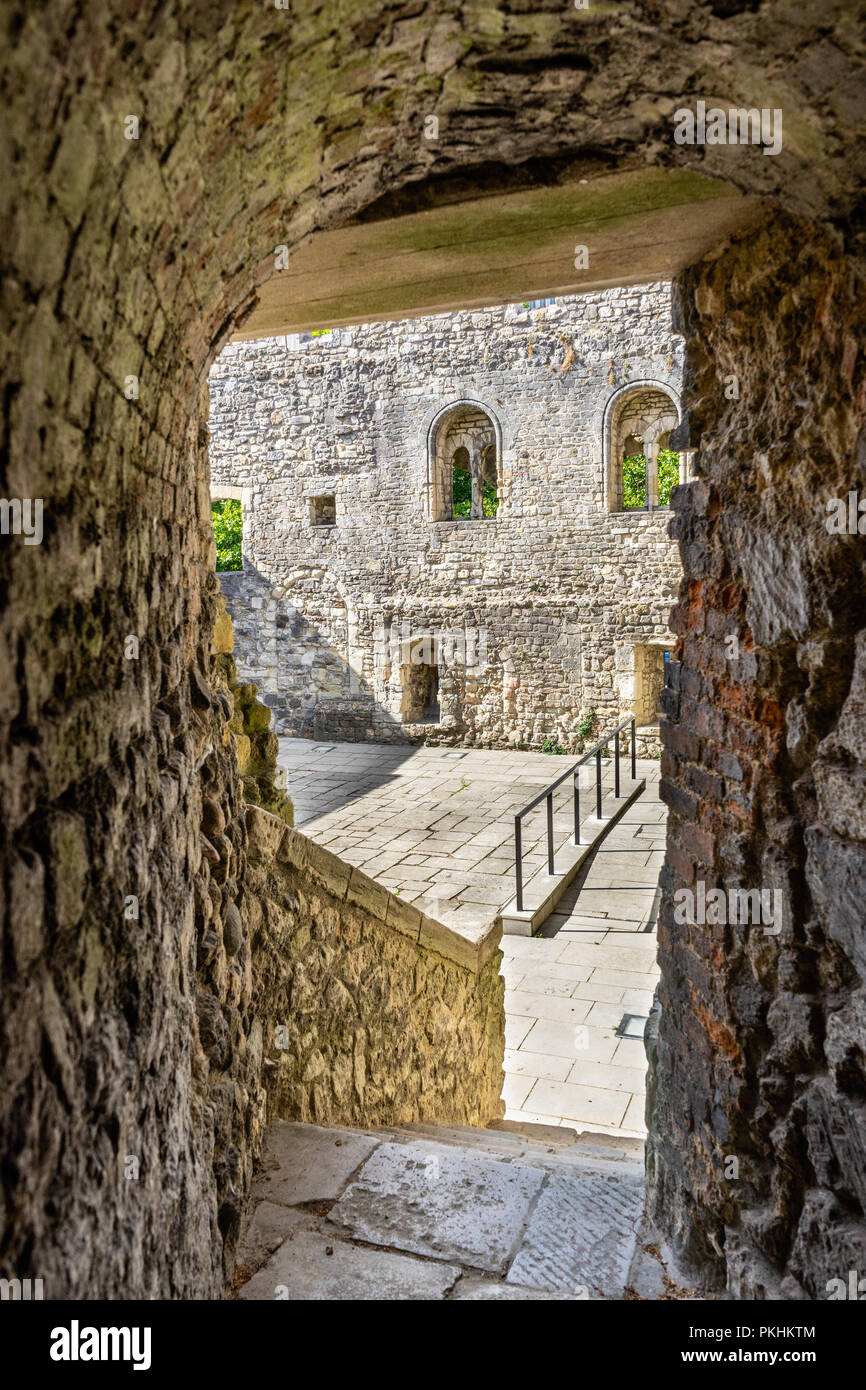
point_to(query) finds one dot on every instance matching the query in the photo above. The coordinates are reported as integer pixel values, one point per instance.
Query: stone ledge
(270, 841)
(542, 891)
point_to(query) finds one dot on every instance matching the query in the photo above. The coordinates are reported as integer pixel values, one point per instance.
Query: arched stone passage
(162, 165)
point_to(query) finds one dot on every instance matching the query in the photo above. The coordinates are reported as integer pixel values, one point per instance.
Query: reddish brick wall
(761, 1044)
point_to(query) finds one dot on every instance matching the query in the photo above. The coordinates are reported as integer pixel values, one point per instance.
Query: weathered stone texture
(373, 1013)
(761, 1054)
(127, 988)
(533, 617)
(256, 746)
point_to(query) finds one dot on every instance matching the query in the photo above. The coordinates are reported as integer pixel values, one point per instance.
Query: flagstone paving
(566, 991)
(439, 831)
(448, 1213)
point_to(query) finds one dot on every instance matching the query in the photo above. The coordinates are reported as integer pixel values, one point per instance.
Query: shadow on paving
(320, 782)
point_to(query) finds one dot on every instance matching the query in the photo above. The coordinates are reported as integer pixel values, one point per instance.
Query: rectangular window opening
(668, 475)
(634, 482)
(228, 523)
(323, 511)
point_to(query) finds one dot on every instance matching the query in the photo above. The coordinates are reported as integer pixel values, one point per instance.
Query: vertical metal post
(577, 806)
(550, 833)
(633, 752)
(518, 863)
(616, 764)
(598, 784)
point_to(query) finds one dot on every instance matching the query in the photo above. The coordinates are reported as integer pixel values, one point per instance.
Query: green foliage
(550, 745)
(461, 493)
(586, 725)
(227, 530)
(634, 479)
(669, 475)
(319, 332)
(489, 499)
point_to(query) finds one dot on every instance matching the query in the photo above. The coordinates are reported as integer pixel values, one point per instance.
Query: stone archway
(166, 170)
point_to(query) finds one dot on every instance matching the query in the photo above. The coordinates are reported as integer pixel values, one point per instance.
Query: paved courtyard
(438, 830)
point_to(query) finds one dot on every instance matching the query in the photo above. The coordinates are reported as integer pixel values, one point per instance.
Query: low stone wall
(647, 741)
(372, 1013)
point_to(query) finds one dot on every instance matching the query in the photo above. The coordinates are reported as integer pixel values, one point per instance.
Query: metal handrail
(572, 771)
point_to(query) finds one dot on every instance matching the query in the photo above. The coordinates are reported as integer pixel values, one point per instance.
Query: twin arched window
(465, 465)
(641, 468)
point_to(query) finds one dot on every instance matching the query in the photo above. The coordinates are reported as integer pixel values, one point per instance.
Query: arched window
(465, 465)
(641, 469)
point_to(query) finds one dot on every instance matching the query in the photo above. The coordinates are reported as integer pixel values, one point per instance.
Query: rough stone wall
(375, 1014)
(761, 1052)
(256, 747)
(554, 591)
(128, 1133)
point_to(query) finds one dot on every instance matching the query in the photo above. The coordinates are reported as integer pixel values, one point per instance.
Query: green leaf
(634, 481)
(461, 494)
(228, 531)
(669, 475)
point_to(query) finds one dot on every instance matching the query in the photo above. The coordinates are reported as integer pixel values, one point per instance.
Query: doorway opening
(420, 693)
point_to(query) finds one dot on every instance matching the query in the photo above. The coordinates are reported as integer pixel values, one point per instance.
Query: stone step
(489, 1141)
(431, 1211)
(562, 1136)
(521, 1147)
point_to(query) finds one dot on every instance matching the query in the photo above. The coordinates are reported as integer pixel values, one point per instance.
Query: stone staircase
(428, 1211)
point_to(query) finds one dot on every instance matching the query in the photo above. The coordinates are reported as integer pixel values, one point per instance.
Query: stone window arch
(464, 463)
(637, 426)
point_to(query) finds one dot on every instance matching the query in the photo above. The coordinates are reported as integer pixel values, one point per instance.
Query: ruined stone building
(368, 606)
(159, 163)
